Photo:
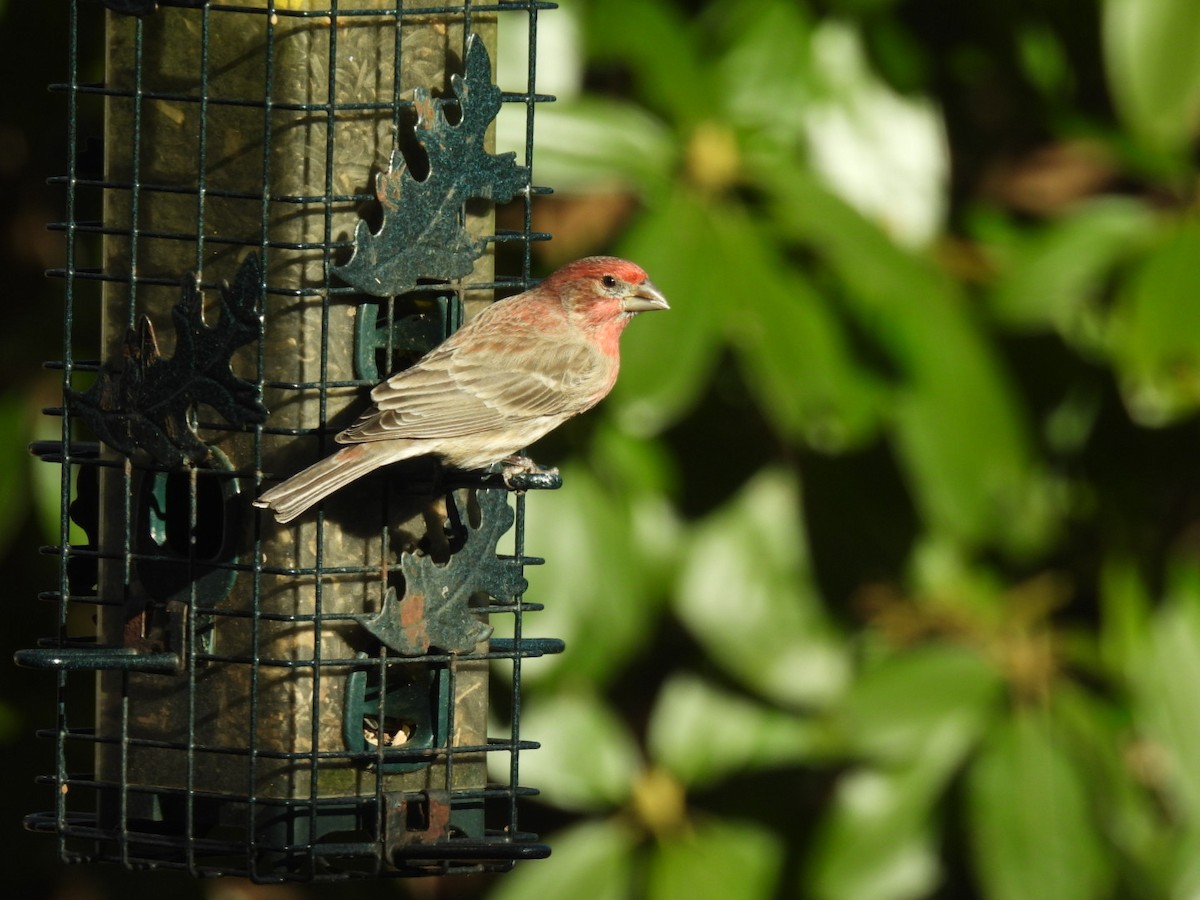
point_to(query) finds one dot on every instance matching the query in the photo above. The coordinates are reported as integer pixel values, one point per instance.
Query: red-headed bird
(513, 373)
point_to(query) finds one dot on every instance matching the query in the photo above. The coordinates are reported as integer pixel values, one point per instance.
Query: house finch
(516, 371)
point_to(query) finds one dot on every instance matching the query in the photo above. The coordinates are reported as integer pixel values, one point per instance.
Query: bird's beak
(647, 298)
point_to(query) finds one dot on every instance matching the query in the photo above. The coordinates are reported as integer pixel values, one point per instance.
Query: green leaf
(876, 843)
(894, 710)
(1156, 330)
(883, 152)
(958, 428)
(1185, 869)
(1111, 763)
(588, 760)
(1056, 278)
(45, 482)
(1164, 677)
(1125, 614)
(1044, 60)
(795, 361)
(593, 860)
(766, 71)
(703, 734)
(745, 592)
(729, 860)
(1030, 825)
(666, 360)
(595, 144)
(794, 352)
(640, 468)
(922, 712)
(658, 44)
(603, 611)
(796, 357)
(1154, 69)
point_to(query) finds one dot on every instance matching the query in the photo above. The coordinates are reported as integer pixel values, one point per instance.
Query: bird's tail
(318, 481)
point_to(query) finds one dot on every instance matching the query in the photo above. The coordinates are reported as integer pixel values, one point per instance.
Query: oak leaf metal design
(435, 610)
(422, 235)
(147, 401)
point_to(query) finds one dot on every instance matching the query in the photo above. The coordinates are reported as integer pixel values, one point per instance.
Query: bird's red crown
(598, 267)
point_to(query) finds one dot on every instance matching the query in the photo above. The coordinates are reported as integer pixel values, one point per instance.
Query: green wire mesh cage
(310, 701)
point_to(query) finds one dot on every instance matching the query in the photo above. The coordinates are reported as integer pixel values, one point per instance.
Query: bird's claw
(520, 473)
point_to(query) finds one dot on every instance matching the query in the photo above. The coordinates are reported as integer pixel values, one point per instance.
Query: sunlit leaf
(923, 712)
(729, 860)
(587, 761)
(1153, 67)
(1156, 330)
(959, 431)
(1112, 763)
(745, 593)
(766, 69)
(46, 485)
(1057, 278)
(884, 153)
(595, 584)
(1163, 676)
(702, 733)
(1031, 829)
(593, 860)
(899, 705)
(796, 355)
(1184, 874)
(642, 467)
(877, 842)
(594, 143)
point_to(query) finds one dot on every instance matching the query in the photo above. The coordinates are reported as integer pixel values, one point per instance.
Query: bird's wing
(459, 390)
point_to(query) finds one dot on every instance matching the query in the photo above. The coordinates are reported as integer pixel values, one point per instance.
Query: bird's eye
(609, 281)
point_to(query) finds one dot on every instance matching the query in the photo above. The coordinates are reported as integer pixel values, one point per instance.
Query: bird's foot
(520, 473)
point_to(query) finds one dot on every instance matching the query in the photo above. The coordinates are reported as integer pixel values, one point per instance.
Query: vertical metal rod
(514, 773)
(256, 593)
(190, 616)
(519, 524)
(451, 700)
(330, 125)
(123, 803)
(466, 26)
(381, 811)
(135, 180)
(64, 519)
(202, 146)
(190, 651)
(127, 469)
(530, 108)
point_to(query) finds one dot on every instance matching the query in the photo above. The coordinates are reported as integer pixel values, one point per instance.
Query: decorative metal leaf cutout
(435, 610)
(144, 401)
(421, 235)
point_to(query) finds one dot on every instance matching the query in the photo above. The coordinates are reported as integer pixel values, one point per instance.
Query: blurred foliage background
(880, 570)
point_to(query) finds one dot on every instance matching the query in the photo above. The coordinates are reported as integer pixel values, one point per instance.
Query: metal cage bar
(192, 798)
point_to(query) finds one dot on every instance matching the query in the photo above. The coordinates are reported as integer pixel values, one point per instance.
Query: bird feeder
(296, 198)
